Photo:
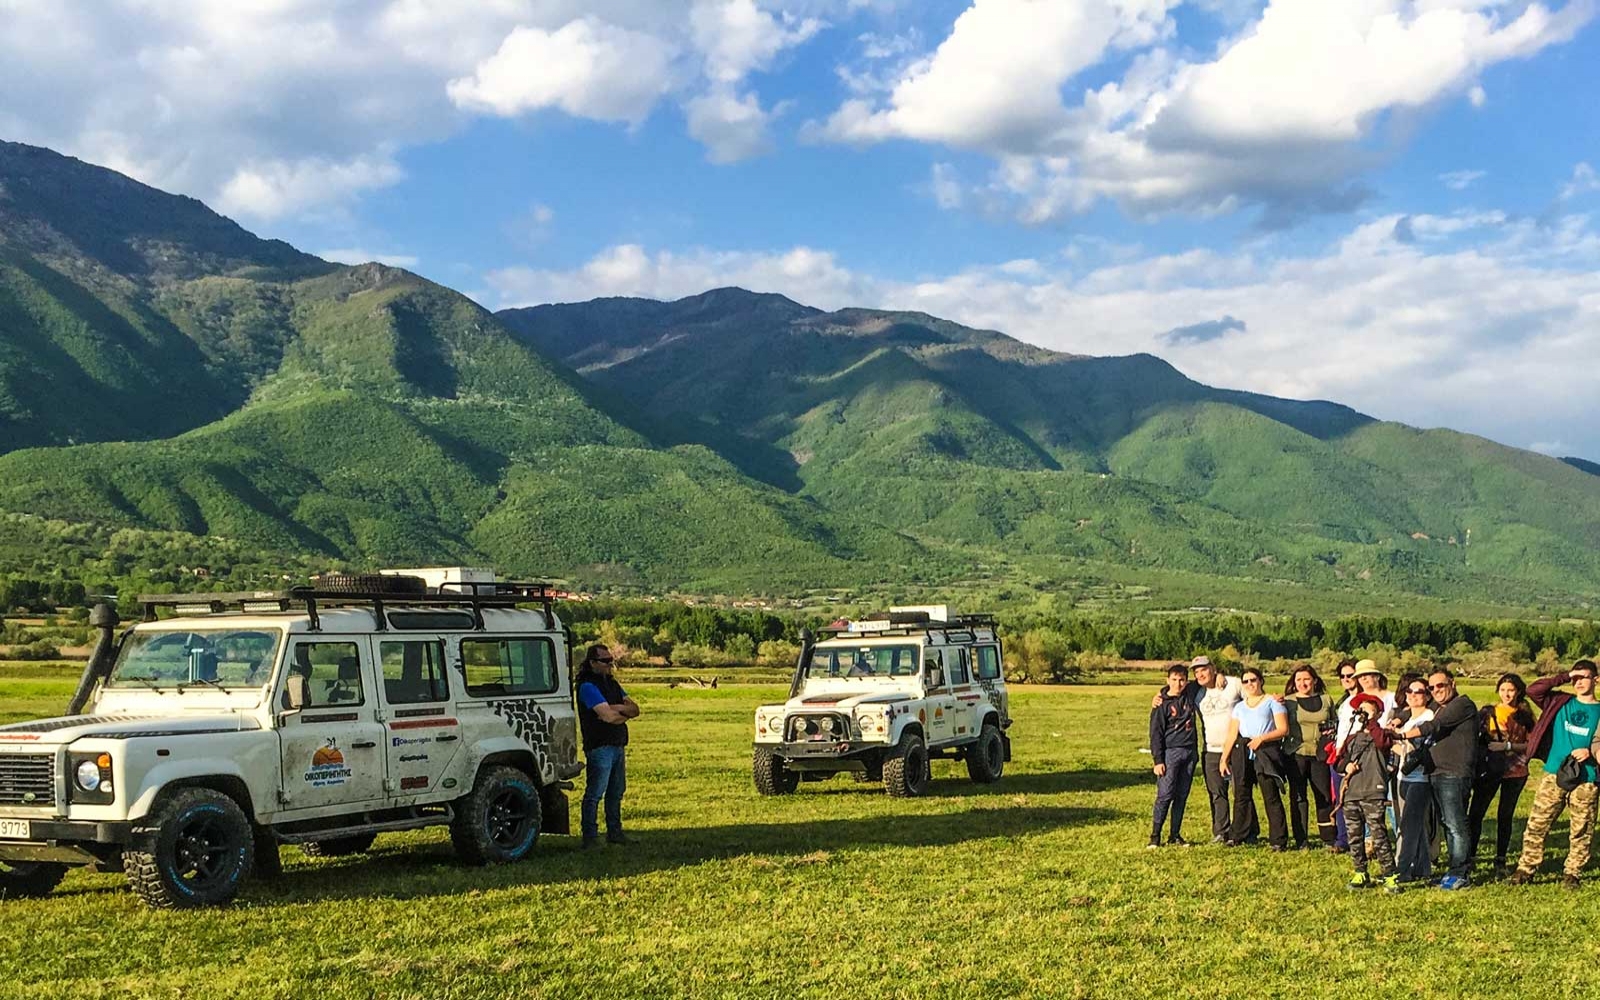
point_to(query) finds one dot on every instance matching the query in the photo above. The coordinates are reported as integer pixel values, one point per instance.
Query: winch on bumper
(825, 754)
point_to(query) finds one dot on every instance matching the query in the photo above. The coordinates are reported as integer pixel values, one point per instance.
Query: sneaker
(1570, 882)
(1177, 842)
(1500, 867)
(1153, 845)
(1452, 882)
(1391, 884)
(589, 842)
(1339, 849)
(1360, 880)
(1219, 839)
(1278, 848)
(1520, 877)
(618, 838)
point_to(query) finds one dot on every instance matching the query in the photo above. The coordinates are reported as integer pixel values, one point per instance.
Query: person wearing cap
(1363, 763)
(1172, 748)
(1566, 729)
(1215, 694)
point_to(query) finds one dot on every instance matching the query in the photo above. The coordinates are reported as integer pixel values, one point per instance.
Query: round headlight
(89, 776)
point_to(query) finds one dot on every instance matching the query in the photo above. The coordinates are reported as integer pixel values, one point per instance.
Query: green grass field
(1038, 886)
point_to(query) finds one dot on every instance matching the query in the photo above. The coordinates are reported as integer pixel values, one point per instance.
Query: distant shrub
(35, 651)
(778, 653)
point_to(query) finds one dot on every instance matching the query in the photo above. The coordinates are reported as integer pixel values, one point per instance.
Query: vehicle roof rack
(470, 596)
(907, 623)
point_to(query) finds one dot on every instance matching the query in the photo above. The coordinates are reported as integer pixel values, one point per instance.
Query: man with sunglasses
(603, 713)
(1566, 728)
(1452, 763)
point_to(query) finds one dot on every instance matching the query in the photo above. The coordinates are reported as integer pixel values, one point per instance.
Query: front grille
(824, 727)
(27, 779)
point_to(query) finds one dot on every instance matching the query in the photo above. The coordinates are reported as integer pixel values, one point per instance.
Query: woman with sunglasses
(1255, 733)
(1502, 765)
(1414, 852)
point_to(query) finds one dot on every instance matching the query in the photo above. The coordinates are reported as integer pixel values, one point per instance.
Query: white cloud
(357, 255)
(1484, 323)
(1555, 448)
(282, 107)
(808, 275)
(266, 190)
(737, 37)
(1460, 180)
(945, 186)
(1287, 115)
(731, 126)
(587, 68)
(1584, 181)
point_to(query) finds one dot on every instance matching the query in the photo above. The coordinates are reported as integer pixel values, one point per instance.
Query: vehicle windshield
(862, 662)
(224, 658)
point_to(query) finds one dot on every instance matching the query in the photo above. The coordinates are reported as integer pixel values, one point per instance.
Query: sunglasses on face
(1440, 687)
(1347, 677)
(1421, 691)
(602, 659)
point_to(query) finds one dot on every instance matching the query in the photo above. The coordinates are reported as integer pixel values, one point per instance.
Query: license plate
(16, 829)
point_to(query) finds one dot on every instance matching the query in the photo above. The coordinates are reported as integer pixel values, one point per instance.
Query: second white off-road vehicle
(880, 697)
(319, 716)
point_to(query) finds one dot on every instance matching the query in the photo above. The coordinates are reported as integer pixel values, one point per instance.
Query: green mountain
(177, 392)
(970, 437)
(240, 389)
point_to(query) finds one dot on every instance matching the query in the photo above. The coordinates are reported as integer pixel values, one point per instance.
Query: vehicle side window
(988, 663)
(955, 666)
(323, 674)
(508, 666)
(413, 672)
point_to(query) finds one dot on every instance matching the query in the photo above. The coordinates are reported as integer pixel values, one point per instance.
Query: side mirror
(287, 714)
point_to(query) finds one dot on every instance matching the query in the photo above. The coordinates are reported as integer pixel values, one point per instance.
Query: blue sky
(1385, 202)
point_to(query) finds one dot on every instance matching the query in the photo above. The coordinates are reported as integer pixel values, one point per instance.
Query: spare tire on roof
(369, 583)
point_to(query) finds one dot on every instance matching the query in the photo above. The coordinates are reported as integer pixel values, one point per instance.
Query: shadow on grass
(431, 870)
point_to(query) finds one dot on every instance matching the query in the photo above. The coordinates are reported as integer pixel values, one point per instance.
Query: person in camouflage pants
(1364, 793)
(1548, 804)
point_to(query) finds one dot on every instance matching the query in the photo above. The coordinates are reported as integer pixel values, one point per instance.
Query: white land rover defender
(880, 697)
(317, 716)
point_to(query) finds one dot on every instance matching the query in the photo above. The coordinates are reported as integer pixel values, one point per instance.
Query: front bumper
(824, 752)
(68, 842)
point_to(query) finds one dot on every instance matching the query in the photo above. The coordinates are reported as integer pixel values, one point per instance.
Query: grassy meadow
(1038, 886)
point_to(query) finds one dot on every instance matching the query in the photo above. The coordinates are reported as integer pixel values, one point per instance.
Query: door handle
(362, 746)
(445, 739)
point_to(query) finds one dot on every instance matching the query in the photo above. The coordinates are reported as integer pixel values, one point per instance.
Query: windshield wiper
(149, 680)
(204, 680)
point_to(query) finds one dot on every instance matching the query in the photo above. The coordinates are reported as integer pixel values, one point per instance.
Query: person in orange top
(1503, 731)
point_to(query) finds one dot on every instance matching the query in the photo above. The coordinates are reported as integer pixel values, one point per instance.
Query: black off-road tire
(986, 758)
(498, 821)
(338, 846)
(772, 776)
(907, 773)
(369, 583)
(194, 849)
(26, 879)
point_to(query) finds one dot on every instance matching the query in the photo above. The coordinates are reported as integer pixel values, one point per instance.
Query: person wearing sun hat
(1370, 680)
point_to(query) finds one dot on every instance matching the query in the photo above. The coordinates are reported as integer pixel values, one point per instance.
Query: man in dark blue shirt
(603, 713)
(1174, 751)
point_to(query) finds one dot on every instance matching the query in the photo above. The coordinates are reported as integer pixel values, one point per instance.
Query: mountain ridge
(164, 371)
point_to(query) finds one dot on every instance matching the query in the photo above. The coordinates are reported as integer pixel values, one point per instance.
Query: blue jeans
(1450, 798)
(606, 775)
(1172, 791)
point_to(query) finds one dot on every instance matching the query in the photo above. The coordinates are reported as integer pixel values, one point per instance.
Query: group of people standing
(1427, 766)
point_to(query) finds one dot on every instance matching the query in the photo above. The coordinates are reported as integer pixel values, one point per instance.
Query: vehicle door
(424, 736)
(940, 704)
(329, 733)
(987, 675)
(968, 696)
(517, 679)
